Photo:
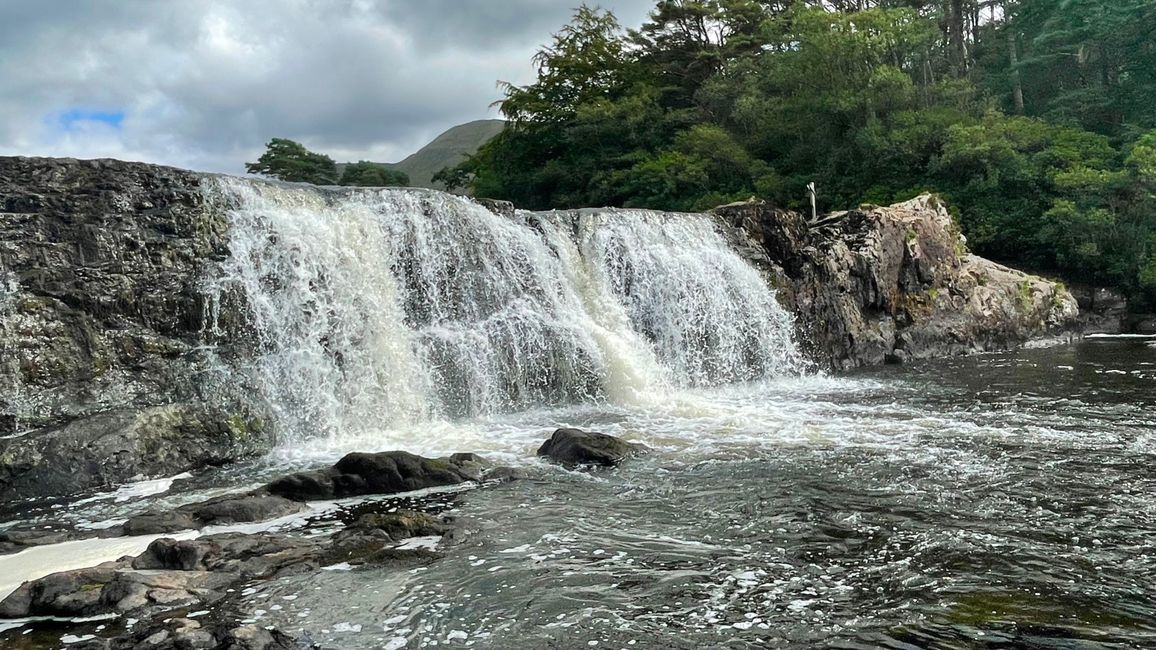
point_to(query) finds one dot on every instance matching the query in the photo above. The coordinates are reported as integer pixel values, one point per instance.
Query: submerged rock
(388, 472)
(877, 285)
(578, 447)
(230, 509)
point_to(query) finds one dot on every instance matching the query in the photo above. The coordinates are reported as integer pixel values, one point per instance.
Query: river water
(997, 501)
(1001, 501)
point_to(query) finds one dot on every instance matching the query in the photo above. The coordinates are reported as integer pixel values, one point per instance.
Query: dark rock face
(1144, 324)
(1102, 310)
(879, 285)
(503, 208)
(109, 448)
(578, 447)
(388, 472)
(101, 322)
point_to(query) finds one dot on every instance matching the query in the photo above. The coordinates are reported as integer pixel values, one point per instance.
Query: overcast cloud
(204, 84)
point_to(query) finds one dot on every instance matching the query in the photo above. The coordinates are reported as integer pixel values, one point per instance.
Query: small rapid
(377, 311)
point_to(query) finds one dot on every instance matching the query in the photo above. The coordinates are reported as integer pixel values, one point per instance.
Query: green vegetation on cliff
(1033, 117)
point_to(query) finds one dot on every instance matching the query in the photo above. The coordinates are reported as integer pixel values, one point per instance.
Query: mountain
(446, 150)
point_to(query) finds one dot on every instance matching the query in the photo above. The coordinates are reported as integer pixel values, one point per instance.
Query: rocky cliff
(114, 364)
(878, 285)
(102, 322)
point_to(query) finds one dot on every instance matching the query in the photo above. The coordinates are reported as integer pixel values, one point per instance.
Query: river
(993, 501)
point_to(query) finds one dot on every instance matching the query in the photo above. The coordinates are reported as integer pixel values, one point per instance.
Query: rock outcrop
(1102, 310)
(575, 447)
(103, 371)
(877, 285)
(206, 574)
(387, 472)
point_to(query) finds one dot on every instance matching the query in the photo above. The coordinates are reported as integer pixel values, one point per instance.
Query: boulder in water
(578, 447)
(387, 472)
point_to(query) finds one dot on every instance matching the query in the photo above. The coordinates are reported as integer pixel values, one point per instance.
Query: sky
(204, 84)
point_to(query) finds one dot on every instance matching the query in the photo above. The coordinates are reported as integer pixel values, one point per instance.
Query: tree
(455, 178)
(287, 160)
(874, 100)
(371, 174)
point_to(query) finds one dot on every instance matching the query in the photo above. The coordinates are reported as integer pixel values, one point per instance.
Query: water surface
(1001, 501)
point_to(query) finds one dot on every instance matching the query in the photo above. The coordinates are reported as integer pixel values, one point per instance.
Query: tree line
(290, 161)
(1036, 119)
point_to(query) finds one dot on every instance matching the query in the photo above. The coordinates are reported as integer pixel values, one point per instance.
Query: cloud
(205, 84)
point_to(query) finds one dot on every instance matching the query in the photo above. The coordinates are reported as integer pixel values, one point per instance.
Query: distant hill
(446, 150)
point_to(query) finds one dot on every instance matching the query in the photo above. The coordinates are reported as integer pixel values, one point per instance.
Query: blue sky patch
(71, 118)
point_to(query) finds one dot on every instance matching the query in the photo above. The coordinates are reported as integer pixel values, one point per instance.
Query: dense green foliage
(290, 161)
(371, 174)
(1035, 118)
(287, 160)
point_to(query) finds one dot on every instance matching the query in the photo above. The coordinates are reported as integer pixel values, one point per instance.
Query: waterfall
(389, 307)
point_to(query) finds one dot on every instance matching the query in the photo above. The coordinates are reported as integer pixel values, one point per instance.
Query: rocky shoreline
(182, 591)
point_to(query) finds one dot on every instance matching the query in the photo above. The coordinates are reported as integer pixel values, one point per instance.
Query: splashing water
(381, 309)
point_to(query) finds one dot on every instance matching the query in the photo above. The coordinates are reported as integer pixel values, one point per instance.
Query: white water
(391, 317)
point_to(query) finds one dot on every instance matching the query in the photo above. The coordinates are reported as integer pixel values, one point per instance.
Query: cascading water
(384, 308)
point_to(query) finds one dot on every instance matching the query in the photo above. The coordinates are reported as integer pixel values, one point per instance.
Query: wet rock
(368, 540)
(106, 449)
(360, 474)
(889, 284)
(245, 556)
(13, 541)
(134, 591)
(112, 587)
(578, 447)
(505, 474)
(398, 525)
(230, 509)
(68, 593)
(217, 632)
(103, 325)
(497, 206)
(170, 573)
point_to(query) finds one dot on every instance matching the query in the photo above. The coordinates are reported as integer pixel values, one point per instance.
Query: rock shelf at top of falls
(155, 321)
